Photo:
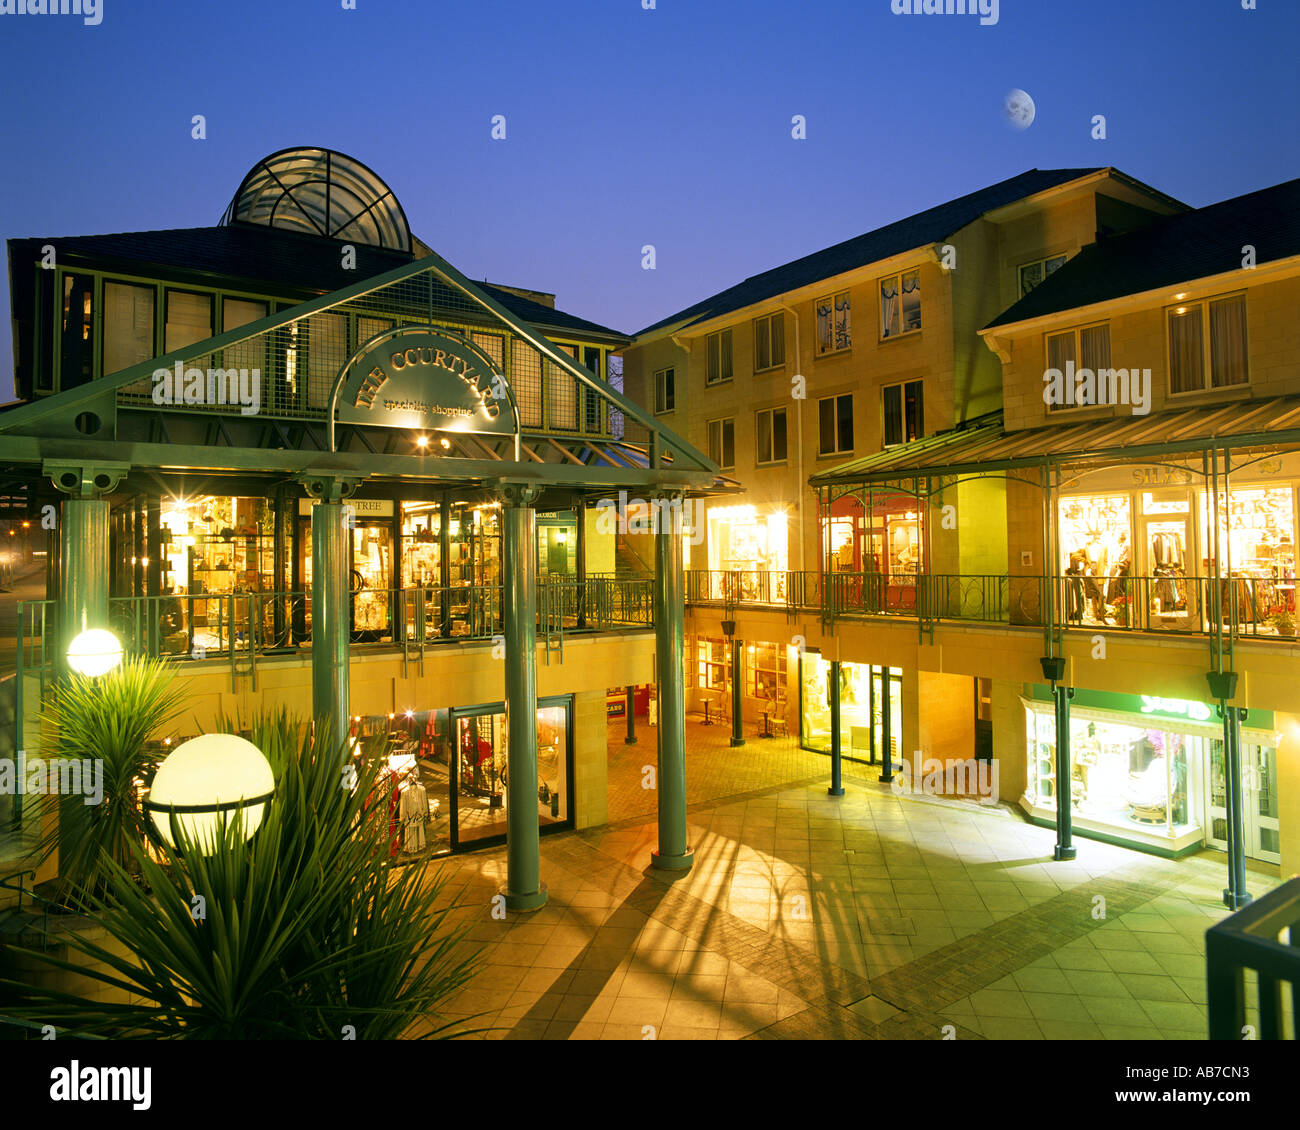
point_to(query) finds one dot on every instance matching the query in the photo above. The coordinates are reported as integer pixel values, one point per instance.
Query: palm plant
(303, 932)
(107, 720)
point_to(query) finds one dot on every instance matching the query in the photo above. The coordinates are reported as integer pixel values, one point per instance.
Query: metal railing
(1264, 937)
(242, 627)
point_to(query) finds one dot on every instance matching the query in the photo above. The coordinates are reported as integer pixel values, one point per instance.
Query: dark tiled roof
(1172, 250)
(285, 262)
(931, 226)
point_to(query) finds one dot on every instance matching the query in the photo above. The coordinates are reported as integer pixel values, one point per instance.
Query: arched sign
(424, 378)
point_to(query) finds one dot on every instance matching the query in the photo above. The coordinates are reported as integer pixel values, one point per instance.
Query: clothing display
(413, 812)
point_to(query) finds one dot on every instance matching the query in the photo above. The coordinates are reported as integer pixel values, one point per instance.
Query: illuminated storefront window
(1150, 774)
(749, 542)
(865, 693)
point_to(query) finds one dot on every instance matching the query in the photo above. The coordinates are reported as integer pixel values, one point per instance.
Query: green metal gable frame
(49, 427)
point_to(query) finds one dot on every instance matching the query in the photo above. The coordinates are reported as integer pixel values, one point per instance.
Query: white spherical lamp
(204, 782)
(95, 652)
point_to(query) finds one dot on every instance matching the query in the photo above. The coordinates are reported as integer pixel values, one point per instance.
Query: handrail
(1250, 938)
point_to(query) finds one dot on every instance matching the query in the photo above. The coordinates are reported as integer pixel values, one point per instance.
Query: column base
(737, 742)
(534, 901)
(1236, 902)
(834, 792)
(886, 778)
(681, 862)
(629, 741)
(1064, 854)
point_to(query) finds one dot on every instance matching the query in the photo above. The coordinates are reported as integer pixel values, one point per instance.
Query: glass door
(1259, 802)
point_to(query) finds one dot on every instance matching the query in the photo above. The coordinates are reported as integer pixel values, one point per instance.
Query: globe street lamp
(95, 652)
(204, 782)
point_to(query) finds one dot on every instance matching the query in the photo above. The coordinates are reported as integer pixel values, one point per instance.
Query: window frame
(1077, 331)
(709, 380)
(770, 413)
(1064, 256)
(833, 298)
(1207, 342)
(902, 387)
(670, 401)
(769, 320)
(897, 277)
(722, 422)
(105, 281)
(837, 450)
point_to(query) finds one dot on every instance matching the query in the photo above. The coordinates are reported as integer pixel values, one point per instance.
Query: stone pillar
(674, 854)
(330, 607)
(524, 889)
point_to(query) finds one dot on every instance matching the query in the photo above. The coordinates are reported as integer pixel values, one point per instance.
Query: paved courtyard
(869, 916)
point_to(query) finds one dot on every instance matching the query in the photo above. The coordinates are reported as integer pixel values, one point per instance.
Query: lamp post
(203, 783)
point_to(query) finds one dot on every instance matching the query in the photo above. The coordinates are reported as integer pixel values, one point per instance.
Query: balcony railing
(247, 625)
(1249, 607)
(1263, 937)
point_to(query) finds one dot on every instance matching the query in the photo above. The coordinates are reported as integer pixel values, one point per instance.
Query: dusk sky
(628, 126)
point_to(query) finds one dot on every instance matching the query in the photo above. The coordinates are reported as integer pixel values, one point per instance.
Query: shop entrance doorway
(1259, 802)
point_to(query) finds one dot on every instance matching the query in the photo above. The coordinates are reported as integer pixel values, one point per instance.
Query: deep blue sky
(626, 126)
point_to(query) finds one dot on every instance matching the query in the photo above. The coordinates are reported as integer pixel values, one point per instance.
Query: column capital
(328, 486)
(84, 480)
(515, 495)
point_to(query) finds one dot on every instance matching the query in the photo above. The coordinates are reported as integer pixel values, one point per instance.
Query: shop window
(1207, 345)
(1031, 274)
(665, 391)
(128, 325)
(833, 329)
(1256, 540)
(76, 350)
(867, 693)
(719, 353)
(769, 342)
(835, 424)
(189, 319)
(771, 437)
(765, 674)
(904, 407)
(722, 443)
(1088, 348)
(711, 664)
(900, 304)
(1096, 559)
(526, 380)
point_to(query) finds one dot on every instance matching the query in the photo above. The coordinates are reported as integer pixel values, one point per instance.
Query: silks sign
(427, 379)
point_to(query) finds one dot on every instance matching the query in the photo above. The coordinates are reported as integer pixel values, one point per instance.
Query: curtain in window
(1030, 276)
(762, 343)
(1060, 349)
(911, 301)
(189, 319)
(778, 340)
(893, 398)
(889, 308)
(128, 326)
(1228, 342)
(1186, 350)
(843, 337)
(825, 333)
(826, 426)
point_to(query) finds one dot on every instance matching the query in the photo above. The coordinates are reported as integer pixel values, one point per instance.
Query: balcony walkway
(870, 917)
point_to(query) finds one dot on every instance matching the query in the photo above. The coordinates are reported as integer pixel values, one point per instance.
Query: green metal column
(669, 615)
(837, 788)
(886, 727)
(329, 608)
(1064, 848)
(83, 557)
(631, 717)
(524, 889)
(1223, 686)
(737, 694)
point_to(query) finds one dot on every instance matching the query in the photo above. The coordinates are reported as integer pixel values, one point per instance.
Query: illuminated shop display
(1151, 774)
(865, 693)
(749, 541)
(1141, 559)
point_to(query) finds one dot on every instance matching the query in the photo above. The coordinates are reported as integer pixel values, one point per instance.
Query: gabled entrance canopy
(257, 399)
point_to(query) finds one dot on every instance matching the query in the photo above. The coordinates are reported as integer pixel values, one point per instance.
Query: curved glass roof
(321, 192)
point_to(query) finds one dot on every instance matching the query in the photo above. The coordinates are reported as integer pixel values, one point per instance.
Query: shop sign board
(1154, 706)
(424, 378)
(361, 507)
